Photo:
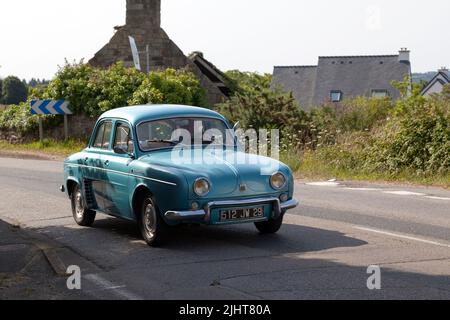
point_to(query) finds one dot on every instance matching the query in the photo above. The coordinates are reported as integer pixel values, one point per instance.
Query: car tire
(271, 226)
(82, 216)
(152, 226)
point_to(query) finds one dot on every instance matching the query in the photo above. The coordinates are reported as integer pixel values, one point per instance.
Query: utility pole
(147, 51)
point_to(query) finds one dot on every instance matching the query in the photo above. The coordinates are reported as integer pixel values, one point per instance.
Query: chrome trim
(291, 204)
(205, 215)
(185, 215)
(122, 173)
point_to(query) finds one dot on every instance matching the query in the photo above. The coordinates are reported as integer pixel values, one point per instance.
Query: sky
(249, 35)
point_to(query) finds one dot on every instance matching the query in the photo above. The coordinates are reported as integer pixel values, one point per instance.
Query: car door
(117, 161)
(94, 173)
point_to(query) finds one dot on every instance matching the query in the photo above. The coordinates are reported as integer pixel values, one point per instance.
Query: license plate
(241, 214)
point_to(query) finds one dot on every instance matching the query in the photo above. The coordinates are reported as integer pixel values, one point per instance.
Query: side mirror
(119, 150)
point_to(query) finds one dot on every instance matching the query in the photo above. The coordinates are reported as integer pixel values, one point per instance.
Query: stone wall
(80, 127)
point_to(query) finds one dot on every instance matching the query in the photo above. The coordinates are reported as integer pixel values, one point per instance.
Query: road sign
(51, 107)
(135, 51)
(48, 107)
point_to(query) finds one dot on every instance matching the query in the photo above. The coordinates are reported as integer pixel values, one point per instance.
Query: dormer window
(336, 96)
(377, 93)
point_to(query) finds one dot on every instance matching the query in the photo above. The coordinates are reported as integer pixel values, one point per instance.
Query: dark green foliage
(94, 91)
(169, 86)
(14, 91)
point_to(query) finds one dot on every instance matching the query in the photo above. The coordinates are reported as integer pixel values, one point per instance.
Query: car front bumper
(205, 214)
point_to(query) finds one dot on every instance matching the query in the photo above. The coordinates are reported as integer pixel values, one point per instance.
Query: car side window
(103, 136)
(107, 135)
(99, 137)
(123, 138)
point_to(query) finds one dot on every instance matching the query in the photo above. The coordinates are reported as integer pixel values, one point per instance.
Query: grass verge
(305, 165)
(313, 167)
(46, 147)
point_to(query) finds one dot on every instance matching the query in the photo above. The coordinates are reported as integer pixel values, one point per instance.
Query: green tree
(14, 90)
(1, 90)
(247, 82)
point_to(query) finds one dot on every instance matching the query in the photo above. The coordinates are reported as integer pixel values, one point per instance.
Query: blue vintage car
(134, 169)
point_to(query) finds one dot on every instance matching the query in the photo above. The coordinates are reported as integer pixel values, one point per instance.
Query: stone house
(438, 82)
(143, 22)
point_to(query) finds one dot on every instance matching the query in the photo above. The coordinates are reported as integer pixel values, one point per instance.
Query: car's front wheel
(83, 216)
(271, 226)
(152, 226)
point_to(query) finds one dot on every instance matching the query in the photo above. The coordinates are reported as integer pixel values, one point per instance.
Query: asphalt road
(322, 252)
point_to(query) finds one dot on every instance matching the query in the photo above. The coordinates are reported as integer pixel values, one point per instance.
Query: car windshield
(169, 133)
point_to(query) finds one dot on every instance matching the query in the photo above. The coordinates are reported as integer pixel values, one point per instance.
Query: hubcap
(79, 209)
(150, 220)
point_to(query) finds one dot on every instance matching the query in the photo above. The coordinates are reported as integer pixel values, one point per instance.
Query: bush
(94, 91)
(18, 118)
(246, 83)
(417, 138)
(169, 86)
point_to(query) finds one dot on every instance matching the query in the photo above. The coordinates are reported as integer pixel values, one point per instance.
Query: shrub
(169, 86)
(417, 138)
(94, 91)
(19, 118)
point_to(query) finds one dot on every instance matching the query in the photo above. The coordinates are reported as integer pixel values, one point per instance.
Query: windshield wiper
(171, 142)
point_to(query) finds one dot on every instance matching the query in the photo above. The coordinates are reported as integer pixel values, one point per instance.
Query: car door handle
(86, 160)
(107, 163)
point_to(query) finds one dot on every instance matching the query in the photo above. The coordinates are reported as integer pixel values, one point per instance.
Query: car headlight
(202, 187)
(278, 181)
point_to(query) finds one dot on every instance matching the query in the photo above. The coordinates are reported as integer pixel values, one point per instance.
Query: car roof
(142, 113)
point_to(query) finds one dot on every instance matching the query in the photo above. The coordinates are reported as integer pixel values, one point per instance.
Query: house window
(380, 93)
(336, 96)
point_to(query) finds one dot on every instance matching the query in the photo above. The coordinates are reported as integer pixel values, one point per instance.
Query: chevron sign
(50, 107)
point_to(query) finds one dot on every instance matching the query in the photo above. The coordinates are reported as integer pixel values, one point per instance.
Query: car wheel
(83, 217)
(271, 226)
(152, 226)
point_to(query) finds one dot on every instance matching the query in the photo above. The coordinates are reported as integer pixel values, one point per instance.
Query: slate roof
(214, 74)
(352, 75)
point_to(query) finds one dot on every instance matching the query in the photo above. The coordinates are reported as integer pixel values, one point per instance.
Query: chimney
(144, 13)
(444, 70)
(404, 55)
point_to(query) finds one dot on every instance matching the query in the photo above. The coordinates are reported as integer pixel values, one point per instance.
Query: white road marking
(396, 235)
(438, 198)
(323, 184)
(404, 193)
(363, 189)
(104, 284)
